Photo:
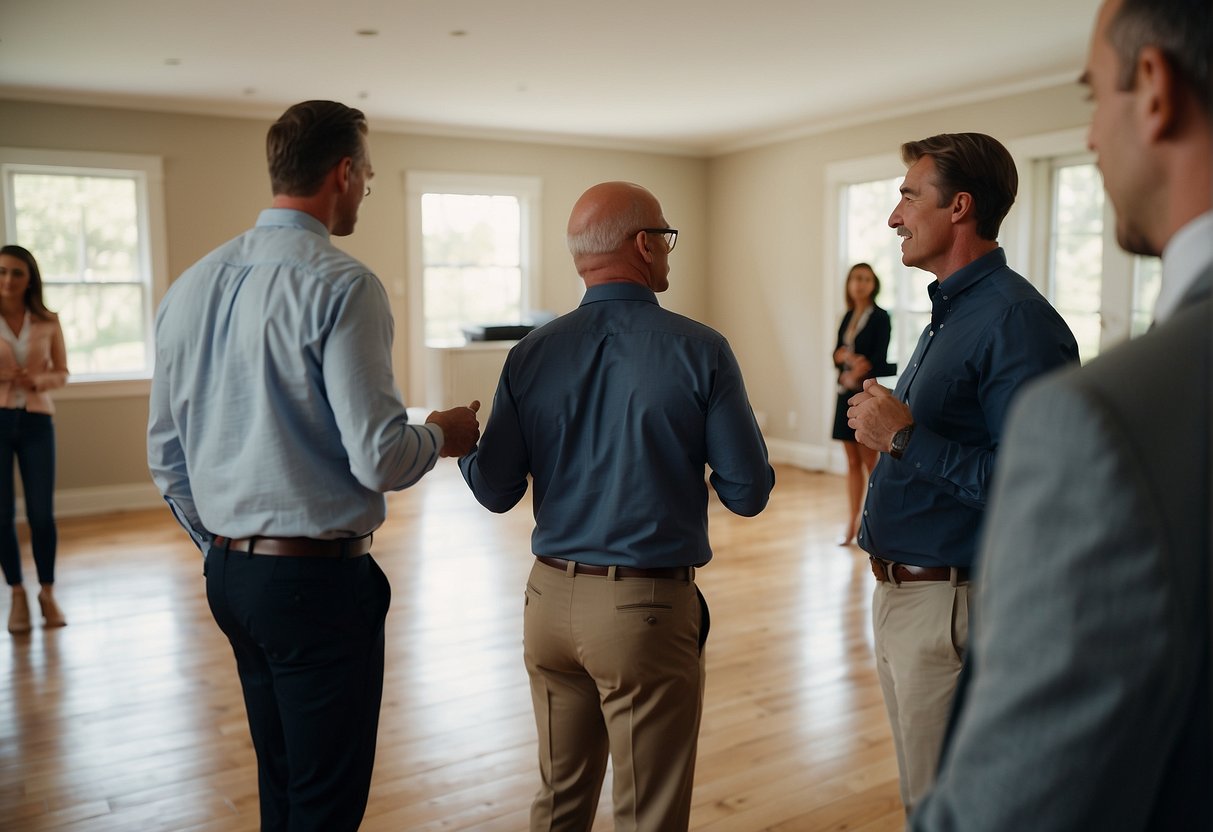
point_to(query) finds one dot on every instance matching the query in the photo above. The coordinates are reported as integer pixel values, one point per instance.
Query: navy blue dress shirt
(990, 332)
(614, 410)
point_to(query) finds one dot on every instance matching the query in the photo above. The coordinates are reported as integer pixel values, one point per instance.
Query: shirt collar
(1186, 256)
(291, 218)
(619, 290)
(7, 332)
(968, 276)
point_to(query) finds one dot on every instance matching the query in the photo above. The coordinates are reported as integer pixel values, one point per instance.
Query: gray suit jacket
(1087, 704)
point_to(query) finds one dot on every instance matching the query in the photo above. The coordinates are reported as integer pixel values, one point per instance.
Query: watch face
(900, 440)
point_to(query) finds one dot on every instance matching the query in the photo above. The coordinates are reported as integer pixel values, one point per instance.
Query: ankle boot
(51, 614)
(18, 614)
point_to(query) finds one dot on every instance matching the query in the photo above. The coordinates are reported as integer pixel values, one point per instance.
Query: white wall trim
(800, 454)
(105, 499)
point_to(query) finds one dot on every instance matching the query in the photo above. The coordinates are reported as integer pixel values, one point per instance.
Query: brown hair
(1181, 29)
(973, 163)
(846, 284)
(308, 140)
(33, 292)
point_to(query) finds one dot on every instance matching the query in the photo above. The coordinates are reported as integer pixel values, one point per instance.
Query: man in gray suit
(1087, 703)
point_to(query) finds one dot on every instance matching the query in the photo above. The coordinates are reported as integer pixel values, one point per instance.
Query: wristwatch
(897, 445)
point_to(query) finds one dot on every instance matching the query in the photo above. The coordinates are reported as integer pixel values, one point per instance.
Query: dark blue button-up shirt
(990, 331)
(614, 410)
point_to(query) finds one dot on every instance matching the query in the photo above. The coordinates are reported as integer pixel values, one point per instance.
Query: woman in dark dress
(861, 353)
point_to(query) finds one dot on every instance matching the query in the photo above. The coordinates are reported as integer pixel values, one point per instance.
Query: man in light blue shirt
(614, 411)
(275, 428)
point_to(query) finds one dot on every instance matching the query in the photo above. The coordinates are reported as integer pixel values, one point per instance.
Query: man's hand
(876, 414)
(460, 429)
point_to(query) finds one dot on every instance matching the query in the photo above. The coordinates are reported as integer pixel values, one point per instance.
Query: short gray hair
(609, 232)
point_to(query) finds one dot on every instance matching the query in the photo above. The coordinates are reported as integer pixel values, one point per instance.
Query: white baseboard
(800, 454)
(79, 502)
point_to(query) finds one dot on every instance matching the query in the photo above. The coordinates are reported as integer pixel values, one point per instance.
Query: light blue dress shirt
(274, 411)
(614, 410)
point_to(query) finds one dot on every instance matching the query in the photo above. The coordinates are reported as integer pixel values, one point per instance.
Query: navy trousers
(30, 439)
(308, 639)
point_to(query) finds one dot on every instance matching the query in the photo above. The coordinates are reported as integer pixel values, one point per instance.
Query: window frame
(147, 171)
(1028, 229)
(526, 189)
(838, 177)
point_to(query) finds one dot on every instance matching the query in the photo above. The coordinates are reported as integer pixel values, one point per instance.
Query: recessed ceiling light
(172, 62)
(459, 33)
(367, 33)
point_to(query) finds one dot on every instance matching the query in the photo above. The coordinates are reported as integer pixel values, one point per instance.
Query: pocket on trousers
(705, 619)
(666, 611)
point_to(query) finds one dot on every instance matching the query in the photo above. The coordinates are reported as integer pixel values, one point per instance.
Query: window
(1075, 246)
(94, 223)
(471, 251)
(473, 258)
(867, 238)
(1104, 294)
(1147, 283)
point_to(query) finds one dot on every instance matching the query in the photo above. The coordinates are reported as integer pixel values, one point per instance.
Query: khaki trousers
(616, 666)
(921, 630)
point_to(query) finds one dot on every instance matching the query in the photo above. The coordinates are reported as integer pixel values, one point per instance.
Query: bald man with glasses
(614, 411)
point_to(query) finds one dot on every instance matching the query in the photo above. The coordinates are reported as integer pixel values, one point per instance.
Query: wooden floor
(131, 718)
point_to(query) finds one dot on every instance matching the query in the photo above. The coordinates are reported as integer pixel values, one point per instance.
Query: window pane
(81, 228)
(102, 326)
(471, 250)
(1076, 252)
(869, 239)
(84, 229)
(1147, 283)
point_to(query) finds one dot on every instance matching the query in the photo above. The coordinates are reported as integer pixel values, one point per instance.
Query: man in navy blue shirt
(615, 410)
(939, 430)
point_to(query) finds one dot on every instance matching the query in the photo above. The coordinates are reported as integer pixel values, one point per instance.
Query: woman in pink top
(33, 360)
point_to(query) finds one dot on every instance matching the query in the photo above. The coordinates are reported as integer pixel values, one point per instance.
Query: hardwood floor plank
(131, 718)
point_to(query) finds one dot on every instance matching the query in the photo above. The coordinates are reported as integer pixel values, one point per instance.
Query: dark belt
(900, 573)
(674, 573)
(298, 547)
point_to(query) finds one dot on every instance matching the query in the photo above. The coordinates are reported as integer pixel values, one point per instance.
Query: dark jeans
(30, 438)
(308, 639)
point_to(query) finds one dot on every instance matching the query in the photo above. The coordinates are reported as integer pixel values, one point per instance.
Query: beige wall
(215, 183)
(749, 257)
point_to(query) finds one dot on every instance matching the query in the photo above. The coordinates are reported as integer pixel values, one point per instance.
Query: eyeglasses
(367, 192)
(670, 234)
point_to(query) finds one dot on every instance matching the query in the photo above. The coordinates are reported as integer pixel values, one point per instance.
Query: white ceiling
(688, 76)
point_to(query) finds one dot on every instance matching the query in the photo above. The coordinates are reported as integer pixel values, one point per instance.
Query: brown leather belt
(900, 573)
(675, 573)
(298, 547)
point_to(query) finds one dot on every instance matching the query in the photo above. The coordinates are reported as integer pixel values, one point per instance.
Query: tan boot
(18, 614)
(51, 614)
